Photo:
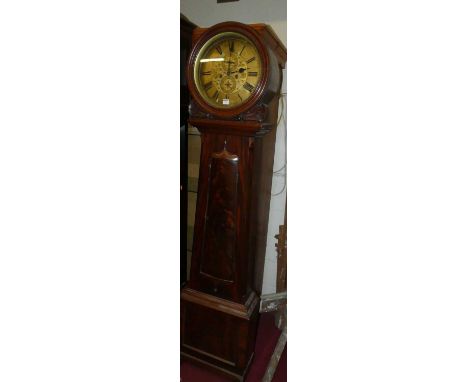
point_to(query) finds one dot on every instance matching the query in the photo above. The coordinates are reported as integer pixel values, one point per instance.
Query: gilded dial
(227, 70)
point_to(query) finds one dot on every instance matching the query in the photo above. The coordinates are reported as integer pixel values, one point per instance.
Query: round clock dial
(227, 70)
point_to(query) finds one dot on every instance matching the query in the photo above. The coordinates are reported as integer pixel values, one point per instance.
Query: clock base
(216, 369)
(219, 334)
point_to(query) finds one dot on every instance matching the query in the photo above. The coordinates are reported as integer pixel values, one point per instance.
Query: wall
(206, 13)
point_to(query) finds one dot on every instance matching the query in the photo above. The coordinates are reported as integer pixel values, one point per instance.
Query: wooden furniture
(220, 303)
(276, 302)
(186, 28)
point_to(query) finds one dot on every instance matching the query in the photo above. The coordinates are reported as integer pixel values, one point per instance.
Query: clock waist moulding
(234, 77)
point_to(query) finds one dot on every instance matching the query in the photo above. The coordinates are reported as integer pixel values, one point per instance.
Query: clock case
(220, 303)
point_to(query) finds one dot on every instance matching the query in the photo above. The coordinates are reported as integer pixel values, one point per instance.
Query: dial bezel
(206, 40)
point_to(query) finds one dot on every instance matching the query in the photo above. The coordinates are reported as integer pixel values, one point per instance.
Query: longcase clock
(234, 77)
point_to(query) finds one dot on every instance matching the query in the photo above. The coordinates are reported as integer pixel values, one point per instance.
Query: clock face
(227, 70)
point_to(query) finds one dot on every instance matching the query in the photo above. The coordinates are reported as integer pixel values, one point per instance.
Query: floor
(267, 337)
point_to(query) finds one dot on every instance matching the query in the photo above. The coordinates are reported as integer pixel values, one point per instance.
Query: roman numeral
(253, 74)
(218, 48)
(215, 96)
(206, 73)
(242, 50)
(248, 87)
(208, 85)
(250, 60)
(231, 46)
(240, 97)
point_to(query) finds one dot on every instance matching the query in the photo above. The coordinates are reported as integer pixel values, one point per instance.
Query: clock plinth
(218, 333)
(220, 304)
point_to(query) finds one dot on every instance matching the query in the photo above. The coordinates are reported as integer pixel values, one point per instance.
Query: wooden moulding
(250, 128)
(229, 307)
(232, 376)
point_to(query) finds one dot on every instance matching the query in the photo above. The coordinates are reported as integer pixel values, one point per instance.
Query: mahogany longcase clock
(234, 77)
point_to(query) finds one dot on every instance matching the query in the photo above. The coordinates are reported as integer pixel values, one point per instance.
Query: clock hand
(229, 62)
(241, 70)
